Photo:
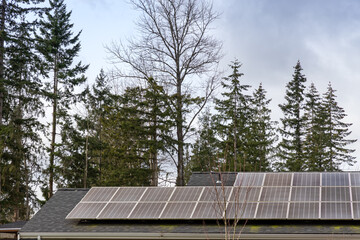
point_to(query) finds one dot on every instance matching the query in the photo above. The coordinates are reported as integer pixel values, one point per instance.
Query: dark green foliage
(293, 124)
(59, 47)
(205, 153)
(336, 133)
(262, 133)
(314, 148)
(20, 108)
(232, 121)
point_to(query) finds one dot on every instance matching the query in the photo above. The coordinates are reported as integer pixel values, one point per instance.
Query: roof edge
(192, 236)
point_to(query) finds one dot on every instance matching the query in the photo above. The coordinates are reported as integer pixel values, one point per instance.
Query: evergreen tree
(124, 161)
(59, 47)
(232, 121)
(263, 136)
(293, 123)
(19, 108)
(336, 133)
(82, 145)
(314, 148)
(205, 153)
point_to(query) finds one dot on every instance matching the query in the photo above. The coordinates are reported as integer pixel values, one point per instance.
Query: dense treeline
(56, 131)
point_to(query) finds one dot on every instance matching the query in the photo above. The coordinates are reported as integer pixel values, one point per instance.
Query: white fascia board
(188, 236)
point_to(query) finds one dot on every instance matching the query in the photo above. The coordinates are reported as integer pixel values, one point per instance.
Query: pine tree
(293, 123)
(263, 136)
(19, 108)
(205, 153)
(232, 120)
(59, 47)
(314, 148)
(336, 133)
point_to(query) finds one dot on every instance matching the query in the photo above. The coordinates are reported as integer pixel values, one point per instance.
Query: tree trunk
(86, 156)
(180, 138)
(153, 151)
(2, 53)
(53, 133)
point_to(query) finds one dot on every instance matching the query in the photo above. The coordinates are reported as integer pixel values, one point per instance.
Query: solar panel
(215, 194)
(86, 211)
(128, 194)
(335, 210)
(356, 208)
(304, 210)
(306, 179)
(335, 179)
(242, 210)
(272, 211)
(278, 179)
(209, 210)
(245, 194)
(116, 210)
(98, 194)
(305, 194)
(355, 179)
(275, 194)
(253, 196)
(249, 179)
(185, 194)
(335, 194)
(156, 194)
(146, 210)
(178, 210)
(355, 194)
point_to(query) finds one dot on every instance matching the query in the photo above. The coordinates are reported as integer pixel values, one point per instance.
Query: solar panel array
(253, 196)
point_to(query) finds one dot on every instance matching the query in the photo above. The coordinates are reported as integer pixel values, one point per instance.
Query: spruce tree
(232, 120)
(293, 123)
(314, 147)
(336, 133)
(59, 47)
(205, 153)
(20, 106)
(263, 132)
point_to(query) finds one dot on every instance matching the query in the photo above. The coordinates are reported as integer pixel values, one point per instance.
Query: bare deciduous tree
(176, 49)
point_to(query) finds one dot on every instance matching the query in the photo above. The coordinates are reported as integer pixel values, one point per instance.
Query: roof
(12, 227)
(50, 222)
(212, 179)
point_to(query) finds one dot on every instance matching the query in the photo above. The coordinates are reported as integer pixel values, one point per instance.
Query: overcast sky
(267, 36)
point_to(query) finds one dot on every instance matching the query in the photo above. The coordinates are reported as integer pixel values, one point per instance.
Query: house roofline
(175, 236)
